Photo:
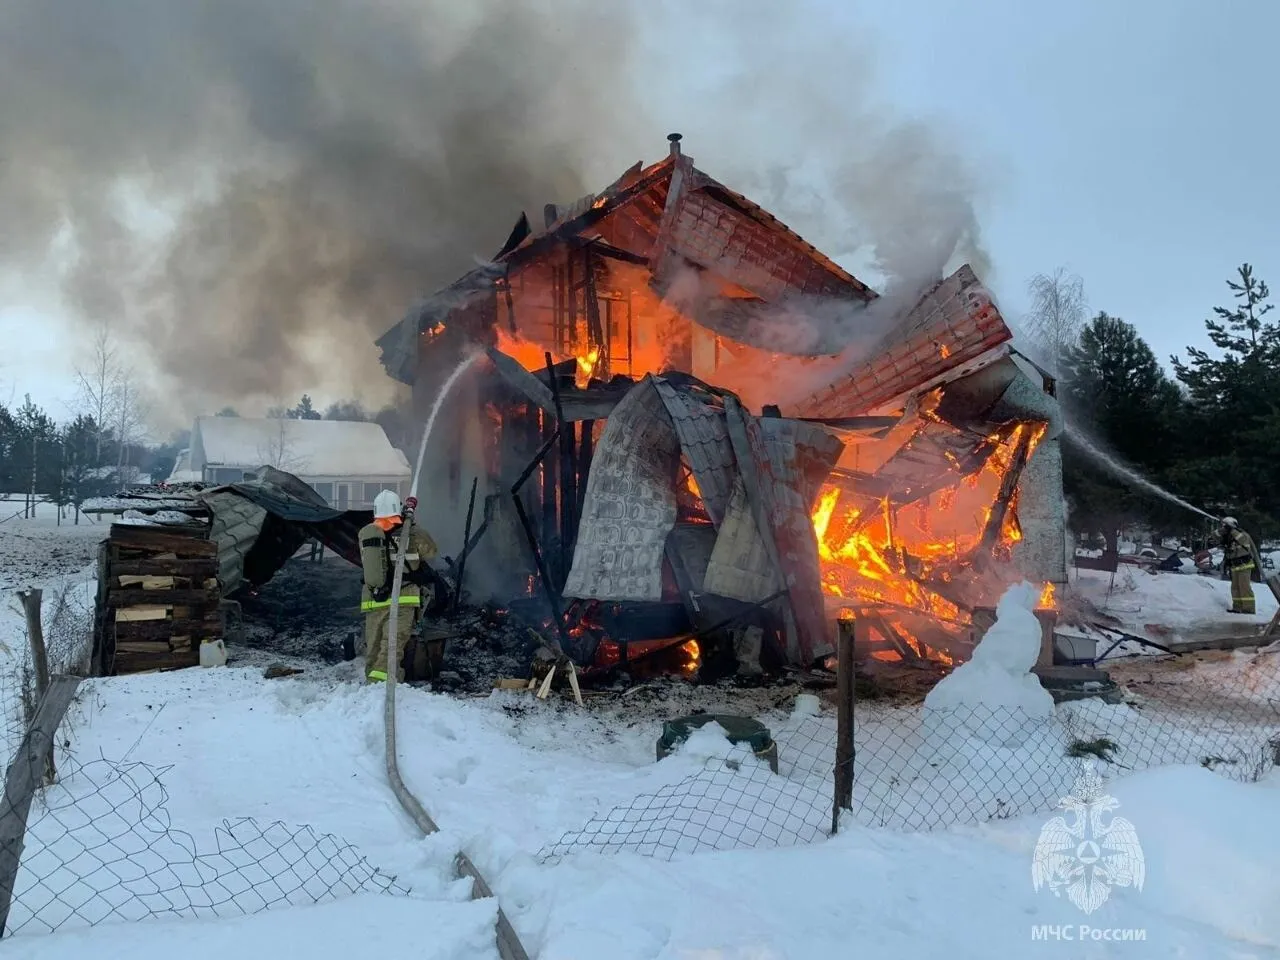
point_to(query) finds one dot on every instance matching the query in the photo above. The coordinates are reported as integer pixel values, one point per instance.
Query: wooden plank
(21, 781)
(147, 582)
(31, 603)
(155, 566)
(101, 663)
(843, 799)
(136, 614)
(1237, 642)
(145, 538)
(165, 660)
(132, 599)
(181, 644)
(163, 629)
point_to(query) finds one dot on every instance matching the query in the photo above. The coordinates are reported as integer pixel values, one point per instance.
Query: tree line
(1207, 431)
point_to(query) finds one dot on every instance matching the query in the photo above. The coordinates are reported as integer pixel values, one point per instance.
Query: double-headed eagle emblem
(1083, 855)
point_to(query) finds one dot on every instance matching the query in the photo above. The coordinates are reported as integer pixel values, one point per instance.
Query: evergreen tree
(35, 452)
(346, 410)
(1115, 392)
(8, 451)
(304, 410)
(80, 477)
(1233, 416)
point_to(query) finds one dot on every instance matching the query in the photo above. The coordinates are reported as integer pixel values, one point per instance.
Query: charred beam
(568, 480)
(1008, 487)
(550, 487)
(466, 545)
(553, 598)
(586, 451)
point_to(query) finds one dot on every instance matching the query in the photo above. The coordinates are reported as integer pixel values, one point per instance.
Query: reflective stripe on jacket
(1241, 553)
(406, 600)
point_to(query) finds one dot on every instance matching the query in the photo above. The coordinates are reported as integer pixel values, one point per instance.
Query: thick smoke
(251, 192)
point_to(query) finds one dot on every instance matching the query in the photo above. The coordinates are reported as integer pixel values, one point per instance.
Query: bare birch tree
(1057, 315)
(128, 416)
(98, 384)
(278, 450)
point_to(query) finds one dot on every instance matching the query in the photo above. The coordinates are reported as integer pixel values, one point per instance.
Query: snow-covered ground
(504, 777)
(596, 849)
(1161, 606)
(41, 549)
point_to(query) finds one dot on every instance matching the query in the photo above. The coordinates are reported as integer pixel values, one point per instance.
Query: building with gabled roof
(346, 462)
(670, 280)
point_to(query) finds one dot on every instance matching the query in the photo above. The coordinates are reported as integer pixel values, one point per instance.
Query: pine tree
(304, 410)
(1114, 389)
(8, 452)
(1233, 416)
(1115, 384)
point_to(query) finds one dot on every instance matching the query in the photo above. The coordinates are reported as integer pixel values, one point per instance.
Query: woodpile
(158, 598)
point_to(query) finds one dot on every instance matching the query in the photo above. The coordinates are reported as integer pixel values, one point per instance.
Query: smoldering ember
(693, 445)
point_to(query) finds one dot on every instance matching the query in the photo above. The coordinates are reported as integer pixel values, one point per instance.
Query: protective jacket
(1239, 552)
(378, 558)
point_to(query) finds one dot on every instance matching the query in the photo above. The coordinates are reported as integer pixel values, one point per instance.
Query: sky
(1131, 143)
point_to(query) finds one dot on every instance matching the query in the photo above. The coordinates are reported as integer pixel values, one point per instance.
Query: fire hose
(509, 946)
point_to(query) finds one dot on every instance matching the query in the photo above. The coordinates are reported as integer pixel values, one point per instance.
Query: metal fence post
(844, 721)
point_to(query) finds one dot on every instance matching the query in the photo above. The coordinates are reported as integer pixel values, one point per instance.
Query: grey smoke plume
(252, 191)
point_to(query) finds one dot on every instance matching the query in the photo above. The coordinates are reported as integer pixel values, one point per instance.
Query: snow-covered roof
(314, 448)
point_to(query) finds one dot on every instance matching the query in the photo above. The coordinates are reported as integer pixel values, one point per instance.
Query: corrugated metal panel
(740, 567)
(630, 504)
(235, 528)
(704, 441)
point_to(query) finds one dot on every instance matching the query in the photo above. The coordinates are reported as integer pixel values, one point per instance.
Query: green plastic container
(738, 729)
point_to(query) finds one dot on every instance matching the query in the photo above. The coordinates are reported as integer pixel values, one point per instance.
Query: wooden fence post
(21, 780)
(32, 599)
(844, 721)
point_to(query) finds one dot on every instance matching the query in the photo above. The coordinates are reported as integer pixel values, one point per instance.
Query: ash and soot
(247, 194)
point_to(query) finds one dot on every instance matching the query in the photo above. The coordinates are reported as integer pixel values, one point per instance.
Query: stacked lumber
(158, 598)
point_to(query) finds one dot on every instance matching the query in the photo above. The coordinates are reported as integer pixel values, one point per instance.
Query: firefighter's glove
(381, 594)
(410, 505)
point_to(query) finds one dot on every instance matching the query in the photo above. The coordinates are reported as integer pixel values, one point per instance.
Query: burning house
(694, 426)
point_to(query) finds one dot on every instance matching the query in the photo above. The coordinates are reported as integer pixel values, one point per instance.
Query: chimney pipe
(674, 140)
(549, 215)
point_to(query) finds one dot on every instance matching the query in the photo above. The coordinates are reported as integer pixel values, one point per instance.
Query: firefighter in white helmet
(1239, 559)
(379, 542)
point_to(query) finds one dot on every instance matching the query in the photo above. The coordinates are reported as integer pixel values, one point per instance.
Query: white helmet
(1230, 522)
(386, 504)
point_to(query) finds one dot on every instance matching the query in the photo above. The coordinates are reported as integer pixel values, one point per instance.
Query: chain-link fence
(735, 800)
(921, 768)
(67, 619)
(100, 847)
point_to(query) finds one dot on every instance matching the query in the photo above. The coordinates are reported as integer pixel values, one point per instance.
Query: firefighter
(379, 542)
(1239, 559)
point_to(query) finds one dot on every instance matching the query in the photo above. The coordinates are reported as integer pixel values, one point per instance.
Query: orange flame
(693, 652)
(864, 547)
(1047, 601)
(586, 363)
(528, 354)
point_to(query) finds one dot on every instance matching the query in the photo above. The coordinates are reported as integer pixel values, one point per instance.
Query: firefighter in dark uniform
(1239, 559)
(379, 542)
